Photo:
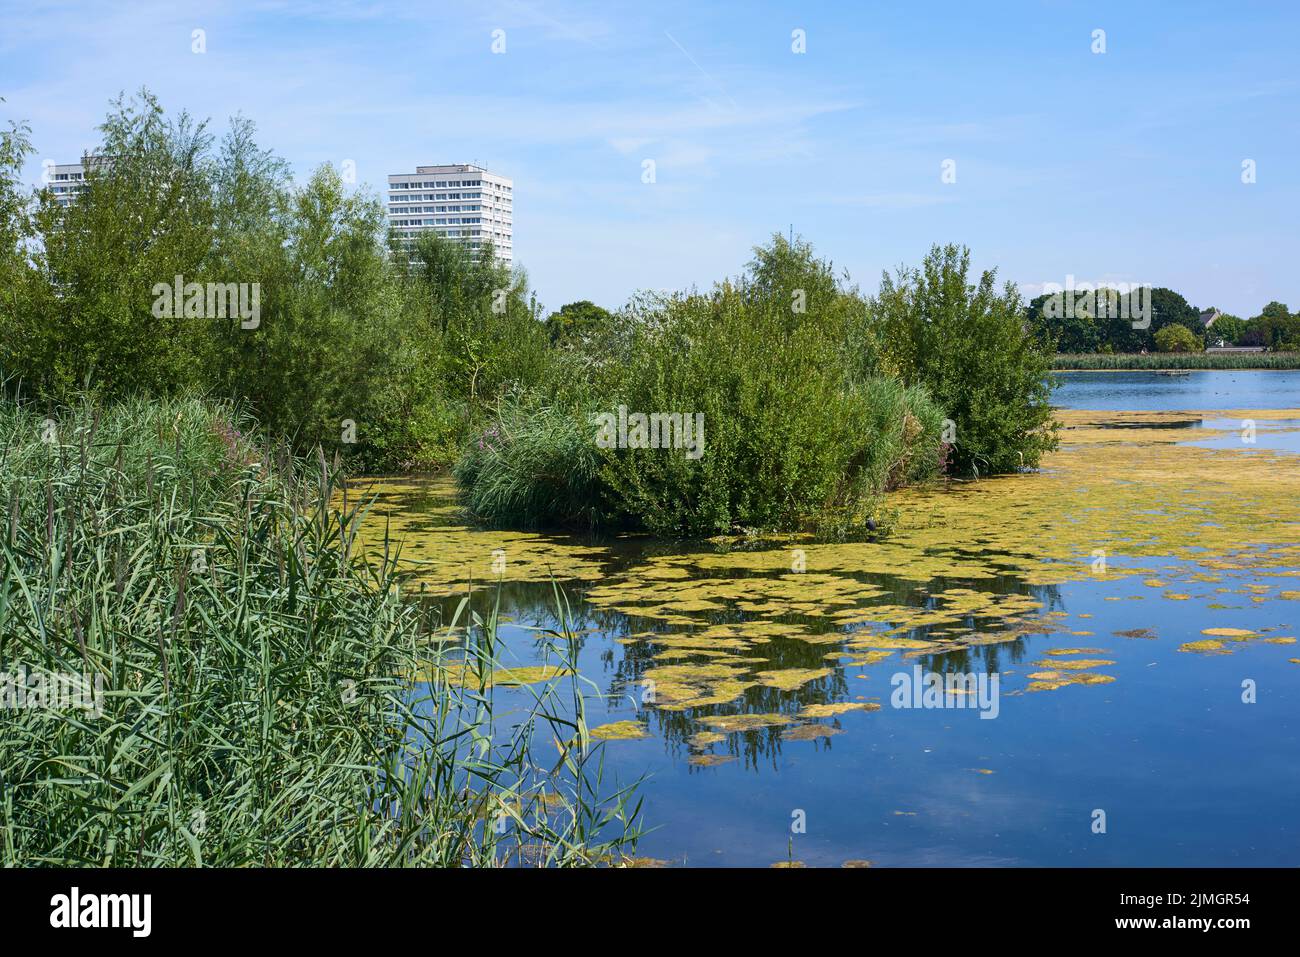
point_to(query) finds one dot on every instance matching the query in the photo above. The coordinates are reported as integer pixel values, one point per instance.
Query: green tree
(329, 336)
(16, 231)
(788, 273)
(971, 347)
(1276, 328)
(1226, 330)
(577, 323)
(479, 312)
(1177, 338)
(253, 221)
(1072, 330)
(357, 345)
(145, 217)
(1104, 320)
(1169, 307)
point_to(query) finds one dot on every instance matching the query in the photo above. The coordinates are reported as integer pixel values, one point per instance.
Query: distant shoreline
(1180, 362)
(1176, 369)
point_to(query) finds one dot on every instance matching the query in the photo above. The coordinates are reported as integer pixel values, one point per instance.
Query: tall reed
(269, 698)
(1179, 360)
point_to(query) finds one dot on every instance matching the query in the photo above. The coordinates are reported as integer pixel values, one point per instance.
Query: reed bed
(1178, 360)
(269, 698)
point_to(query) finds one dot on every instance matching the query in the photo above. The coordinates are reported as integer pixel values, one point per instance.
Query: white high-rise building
(69, 179)
(460, 201)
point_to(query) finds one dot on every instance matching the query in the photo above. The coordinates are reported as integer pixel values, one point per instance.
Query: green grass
(262, 698)
(1184, 360)
(533, 466)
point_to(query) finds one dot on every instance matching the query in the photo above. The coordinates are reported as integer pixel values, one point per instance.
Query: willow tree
(969, 344)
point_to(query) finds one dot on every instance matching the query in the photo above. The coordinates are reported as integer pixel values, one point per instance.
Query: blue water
(1208, 390)
(1251, 435)
(1185, 771)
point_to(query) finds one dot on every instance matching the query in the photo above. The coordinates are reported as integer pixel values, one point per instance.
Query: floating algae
(412, 511)
(620, 731)
(831, 710)
(1206, 645)
(746, 722)
(678, 687)
(1075, 664)
(1116, 472)
(1051, 681)
(506, 677)
(703, 739)
(954, 576)
(788, 679)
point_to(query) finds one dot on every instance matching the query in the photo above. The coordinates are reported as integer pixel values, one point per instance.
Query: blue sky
(1120, 166)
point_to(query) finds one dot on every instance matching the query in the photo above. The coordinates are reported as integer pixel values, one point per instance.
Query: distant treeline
(1110, 321)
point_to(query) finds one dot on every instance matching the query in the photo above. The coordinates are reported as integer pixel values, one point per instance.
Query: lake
(1203, 390)
(1115, 633)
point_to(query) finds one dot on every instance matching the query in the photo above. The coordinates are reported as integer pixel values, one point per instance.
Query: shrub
(798, 430)
(970, 347)
(794, 434)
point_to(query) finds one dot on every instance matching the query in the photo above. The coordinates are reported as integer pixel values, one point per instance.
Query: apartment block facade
(67, 180)
(463, 202)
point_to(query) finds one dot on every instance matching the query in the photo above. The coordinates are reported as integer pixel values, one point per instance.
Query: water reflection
(624, 649)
